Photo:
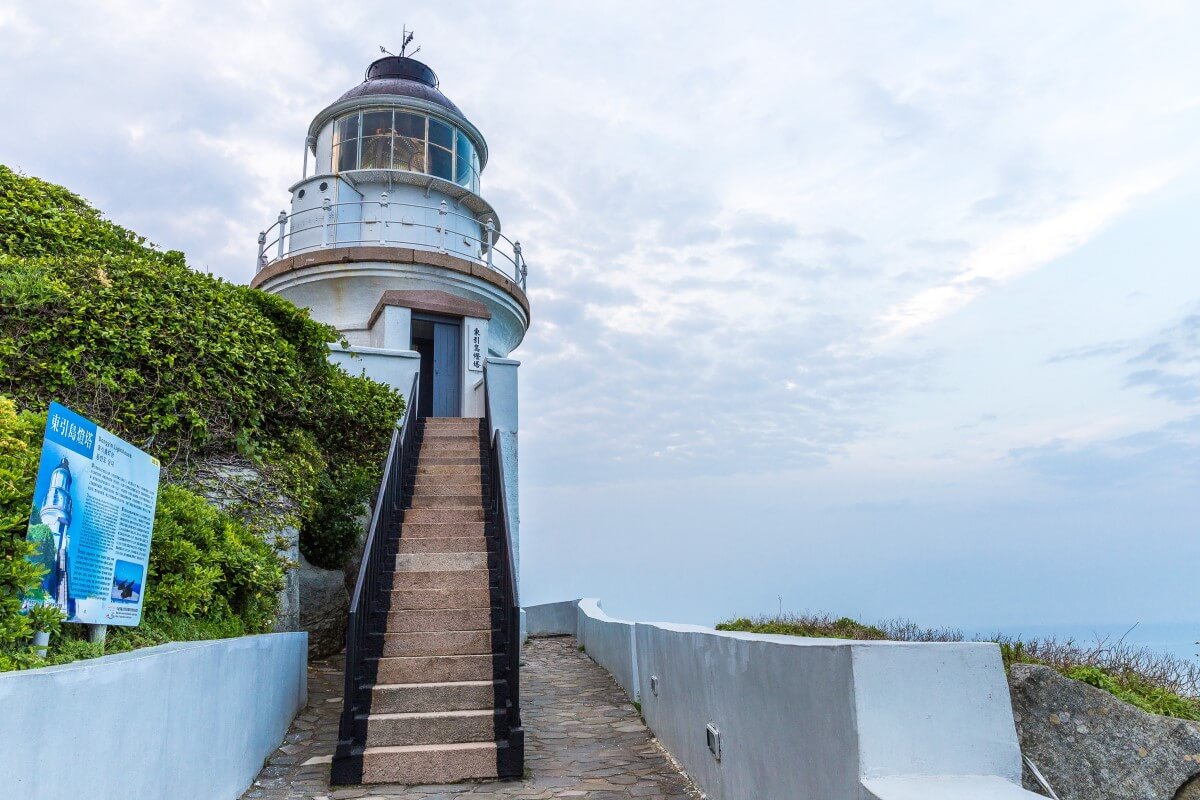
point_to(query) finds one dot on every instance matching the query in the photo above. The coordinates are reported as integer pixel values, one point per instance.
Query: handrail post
(442, 211)
(521, 271)
(262, 246)
(282, 224)
(491, 237)
(383, 217)
(326, 204)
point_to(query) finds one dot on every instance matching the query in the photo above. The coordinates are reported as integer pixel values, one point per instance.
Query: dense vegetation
(208, 376)
(1154, 682)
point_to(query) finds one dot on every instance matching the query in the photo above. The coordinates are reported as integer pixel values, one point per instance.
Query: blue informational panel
(93, 515)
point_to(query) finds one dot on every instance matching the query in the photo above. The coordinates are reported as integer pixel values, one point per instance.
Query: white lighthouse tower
(390, 241)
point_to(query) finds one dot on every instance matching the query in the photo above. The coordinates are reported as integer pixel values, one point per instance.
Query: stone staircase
(433, 705)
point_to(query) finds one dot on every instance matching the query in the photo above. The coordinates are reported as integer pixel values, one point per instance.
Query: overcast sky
(882, 309)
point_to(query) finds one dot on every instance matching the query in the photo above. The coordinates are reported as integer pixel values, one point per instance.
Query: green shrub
(20, 439)
(1133, 688)
(205, 563)
(182, 364)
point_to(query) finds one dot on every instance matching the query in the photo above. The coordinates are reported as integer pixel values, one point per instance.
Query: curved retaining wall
(820, 718)
(185, 720)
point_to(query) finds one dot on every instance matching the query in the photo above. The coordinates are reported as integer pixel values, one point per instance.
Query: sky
(885, 310)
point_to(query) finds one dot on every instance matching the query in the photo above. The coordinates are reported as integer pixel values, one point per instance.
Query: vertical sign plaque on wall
(92, 518)
(475, 345)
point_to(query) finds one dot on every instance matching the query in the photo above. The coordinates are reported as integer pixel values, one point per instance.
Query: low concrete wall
(821, 718)
(185, 720)
(551, 619)
(610, 643)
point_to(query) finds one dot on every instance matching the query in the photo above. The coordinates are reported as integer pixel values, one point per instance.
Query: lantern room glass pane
(345, 143)
(408, 153)
(411, 125)
(345, 156)
(441, 134)
(462, 163)
(376, 152)
(441, 162)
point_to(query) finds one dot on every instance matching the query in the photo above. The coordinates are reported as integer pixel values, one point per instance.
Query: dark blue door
(447, 370)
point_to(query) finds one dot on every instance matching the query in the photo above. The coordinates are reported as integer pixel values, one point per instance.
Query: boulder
(324, 604)
(1090, 745)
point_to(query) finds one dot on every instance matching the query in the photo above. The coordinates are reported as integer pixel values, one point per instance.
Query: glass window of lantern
(408, 148)
(441, 134)
(376, 148)
(345, 143)
(462, 163)
(441, 162)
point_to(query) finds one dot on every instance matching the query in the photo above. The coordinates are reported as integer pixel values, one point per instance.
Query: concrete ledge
(611, 643)
(388, 254)
(822, 718)
(184, 720)
(551, 619)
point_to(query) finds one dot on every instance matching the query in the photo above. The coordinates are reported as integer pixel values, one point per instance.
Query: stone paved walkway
(582, 740)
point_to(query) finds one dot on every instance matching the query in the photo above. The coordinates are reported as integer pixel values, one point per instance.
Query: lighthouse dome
(399, 76)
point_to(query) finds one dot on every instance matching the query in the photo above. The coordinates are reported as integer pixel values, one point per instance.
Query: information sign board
(93, 515)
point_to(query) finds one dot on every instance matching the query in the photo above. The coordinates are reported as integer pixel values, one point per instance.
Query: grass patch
(1155, 682)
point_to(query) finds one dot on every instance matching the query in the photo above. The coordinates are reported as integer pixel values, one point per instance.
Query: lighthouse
(389, 239)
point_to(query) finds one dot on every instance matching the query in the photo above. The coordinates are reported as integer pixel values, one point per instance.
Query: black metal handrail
(388, 513)
(511, 603)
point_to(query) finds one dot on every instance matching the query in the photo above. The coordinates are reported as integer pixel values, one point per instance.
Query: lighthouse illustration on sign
(55, 514)
(389, 240)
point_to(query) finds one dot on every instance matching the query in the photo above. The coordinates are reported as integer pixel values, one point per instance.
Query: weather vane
(406, 37)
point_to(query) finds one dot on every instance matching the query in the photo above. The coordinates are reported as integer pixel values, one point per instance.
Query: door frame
(457, 322)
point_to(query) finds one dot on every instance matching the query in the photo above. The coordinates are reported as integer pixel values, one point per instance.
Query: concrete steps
(418, 599)
(432, 669)
(412, 698)
(443, 579)
(432, 643)
(455, 544)
(430, 764)
(439, 619)
(431, 727)
(430, 712)
(440, 530)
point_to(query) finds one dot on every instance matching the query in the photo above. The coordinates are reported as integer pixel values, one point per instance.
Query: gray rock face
(1092, 746)
(324, 604)
(234, 485)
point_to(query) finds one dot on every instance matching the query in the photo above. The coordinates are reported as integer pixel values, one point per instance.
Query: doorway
(439, 388)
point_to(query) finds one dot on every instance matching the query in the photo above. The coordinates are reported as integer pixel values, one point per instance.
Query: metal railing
(385, 521)
(324, 227)
(510, 601)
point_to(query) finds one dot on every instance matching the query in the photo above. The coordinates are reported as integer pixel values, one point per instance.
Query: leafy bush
(19, 435)
(1155, 682)
(185, 365)
(205, 563)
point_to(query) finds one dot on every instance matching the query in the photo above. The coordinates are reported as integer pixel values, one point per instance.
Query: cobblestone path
(582, 740)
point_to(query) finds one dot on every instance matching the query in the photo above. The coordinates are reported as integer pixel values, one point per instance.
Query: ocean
(1176, 638)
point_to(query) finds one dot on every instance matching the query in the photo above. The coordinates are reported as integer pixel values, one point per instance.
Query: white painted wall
(611, 644)
(396, 368)
(186, 721)
(502, 394)
(812, 718)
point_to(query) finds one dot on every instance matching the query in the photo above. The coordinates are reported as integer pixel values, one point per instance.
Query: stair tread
(480, 712)
(425, 748)
(433, 683)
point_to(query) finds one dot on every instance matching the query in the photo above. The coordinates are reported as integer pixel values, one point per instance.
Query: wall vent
(714, 740)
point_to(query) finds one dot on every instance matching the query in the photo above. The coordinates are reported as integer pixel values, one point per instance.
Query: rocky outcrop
(324, 603)
(233, 484)
(1091, 745)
